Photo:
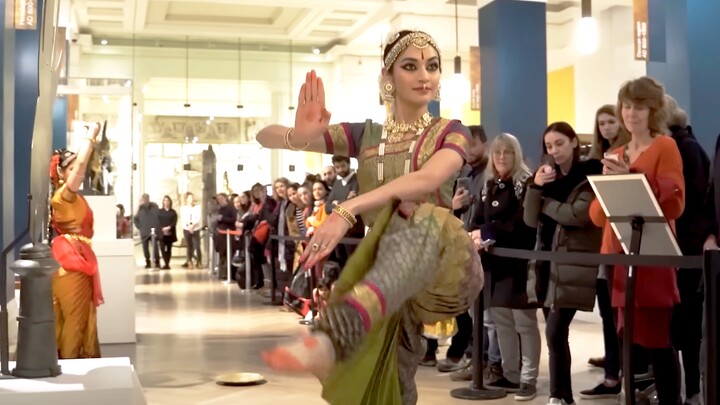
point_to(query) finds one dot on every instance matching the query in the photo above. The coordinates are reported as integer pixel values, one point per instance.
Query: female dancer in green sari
(417, 265)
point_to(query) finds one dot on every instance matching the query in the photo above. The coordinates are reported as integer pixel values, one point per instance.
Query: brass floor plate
(240, 379)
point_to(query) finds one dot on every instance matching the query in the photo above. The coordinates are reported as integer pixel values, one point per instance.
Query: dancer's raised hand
(311, 118)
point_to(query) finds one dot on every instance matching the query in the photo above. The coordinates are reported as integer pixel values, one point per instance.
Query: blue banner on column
(434, 108)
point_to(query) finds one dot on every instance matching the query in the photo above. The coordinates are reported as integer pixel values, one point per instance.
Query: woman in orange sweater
(641, 107)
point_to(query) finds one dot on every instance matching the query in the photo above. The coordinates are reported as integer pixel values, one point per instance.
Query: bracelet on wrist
(345, 214)
(289, 146)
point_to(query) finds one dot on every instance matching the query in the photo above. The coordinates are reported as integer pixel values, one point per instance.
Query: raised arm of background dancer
(74, 179)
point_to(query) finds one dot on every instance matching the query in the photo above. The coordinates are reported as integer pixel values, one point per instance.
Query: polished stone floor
(191, 328)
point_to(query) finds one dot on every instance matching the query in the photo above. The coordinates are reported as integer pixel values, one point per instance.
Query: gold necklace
(396, 131)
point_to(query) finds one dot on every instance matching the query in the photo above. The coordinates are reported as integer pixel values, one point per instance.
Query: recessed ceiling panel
(325, 34)
(337, 22)
(105, 11)
(206, 12)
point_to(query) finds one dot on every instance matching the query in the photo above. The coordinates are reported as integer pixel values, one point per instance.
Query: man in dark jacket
(712, 234)
(467, 195)
(146, 221)
(687, 316)
(345, 187)
(465, 199)
(226, 217)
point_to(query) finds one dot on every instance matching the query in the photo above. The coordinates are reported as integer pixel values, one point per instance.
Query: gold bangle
(345, 214)
(287, 142)
(90, 139)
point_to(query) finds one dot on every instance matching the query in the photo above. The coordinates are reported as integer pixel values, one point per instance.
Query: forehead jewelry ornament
(417, 39)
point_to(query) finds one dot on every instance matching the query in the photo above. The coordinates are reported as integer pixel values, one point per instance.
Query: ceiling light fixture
(457, 61)
(316, 51)
(586, 37)
(187, 75)
(239, 105)
(291, 107)
(104, 42)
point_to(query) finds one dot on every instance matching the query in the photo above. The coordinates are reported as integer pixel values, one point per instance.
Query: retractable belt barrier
(710, 262)
(589, 259)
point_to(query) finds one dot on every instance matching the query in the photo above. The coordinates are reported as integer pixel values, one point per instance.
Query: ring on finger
(315, 247)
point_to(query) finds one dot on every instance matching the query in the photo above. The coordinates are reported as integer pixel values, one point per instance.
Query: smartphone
(611, 156)
(463, 182)
(547, 160)
(486, 243)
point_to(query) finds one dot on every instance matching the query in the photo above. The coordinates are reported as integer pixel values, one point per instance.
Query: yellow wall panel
(468, 117)
(561, 95)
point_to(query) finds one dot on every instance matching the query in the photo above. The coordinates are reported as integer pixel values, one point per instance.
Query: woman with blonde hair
(641, 104)
(499, 217)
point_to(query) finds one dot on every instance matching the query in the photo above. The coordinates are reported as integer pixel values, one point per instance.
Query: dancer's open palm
(312, 119)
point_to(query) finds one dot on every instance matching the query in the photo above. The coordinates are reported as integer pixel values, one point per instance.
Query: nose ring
(424, 86)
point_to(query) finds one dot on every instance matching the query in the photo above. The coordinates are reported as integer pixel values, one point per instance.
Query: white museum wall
(351, 81)
(598, 76)
(160, 90)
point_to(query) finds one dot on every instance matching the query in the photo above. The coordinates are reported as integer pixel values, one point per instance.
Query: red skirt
(651, 326)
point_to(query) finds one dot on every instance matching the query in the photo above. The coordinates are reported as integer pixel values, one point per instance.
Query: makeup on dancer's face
(411, 64)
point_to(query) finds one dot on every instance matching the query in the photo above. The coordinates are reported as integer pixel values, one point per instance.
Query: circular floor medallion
(240, 379)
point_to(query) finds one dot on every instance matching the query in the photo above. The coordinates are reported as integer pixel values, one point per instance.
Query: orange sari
(76, 286)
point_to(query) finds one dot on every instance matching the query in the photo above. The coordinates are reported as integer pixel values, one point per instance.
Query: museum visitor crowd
(499, 197)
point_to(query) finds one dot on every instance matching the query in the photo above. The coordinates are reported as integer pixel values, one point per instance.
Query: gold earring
(437, 94)
(388, 91)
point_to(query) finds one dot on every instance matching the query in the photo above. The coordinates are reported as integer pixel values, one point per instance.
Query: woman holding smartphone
(641, 105)
(557, 203)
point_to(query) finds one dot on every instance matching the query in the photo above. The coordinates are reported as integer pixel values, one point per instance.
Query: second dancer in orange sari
(76, 286)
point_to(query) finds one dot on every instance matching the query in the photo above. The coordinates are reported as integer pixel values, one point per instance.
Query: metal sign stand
(248, 264)
(228, 259)
(477, 390)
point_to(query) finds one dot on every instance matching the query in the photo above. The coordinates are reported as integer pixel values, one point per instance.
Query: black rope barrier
(710, 262)
(588, 259)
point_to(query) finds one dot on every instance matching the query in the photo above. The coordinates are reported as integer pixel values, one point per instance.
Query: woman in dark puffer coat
(557, 203)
